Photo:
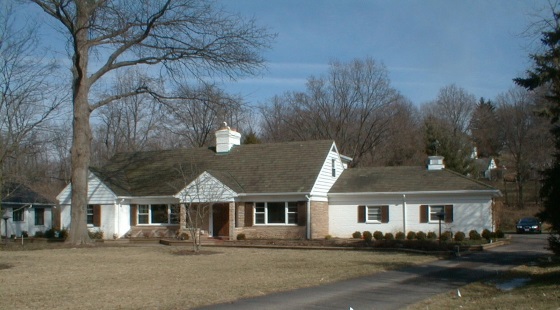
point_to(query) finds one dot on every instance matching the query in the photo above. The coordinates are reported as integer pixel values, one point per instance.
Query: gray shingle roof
(404, 179)
(253, 168)
(16, 193)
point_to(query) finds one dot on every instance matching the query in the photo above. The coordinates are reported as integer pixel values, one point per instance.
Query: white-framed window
(373, 214)
(158, 214)
(276, 213)
(18, 215)
(89, 214)
(143, 214)
(433, 211)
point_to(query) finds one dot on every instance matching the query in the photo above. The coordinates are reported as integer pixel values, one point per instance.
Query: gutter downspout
(404, 213)
(308, 218)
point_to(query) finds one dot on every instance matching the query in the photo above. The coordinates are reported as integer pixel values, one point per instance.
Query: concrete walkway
(399, 288)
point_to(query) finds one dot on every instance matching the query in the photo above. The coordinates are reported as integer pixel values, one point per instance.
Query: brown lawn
(156, 276)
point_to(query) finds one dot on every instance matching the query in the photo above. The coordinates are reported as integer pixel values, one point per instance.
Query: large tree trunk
(81, 145)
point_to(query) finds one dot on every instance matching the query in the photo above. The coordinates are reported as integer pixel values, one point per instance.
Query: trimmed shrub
(49, 233)
(239, 237)
(357, 235)
(410, 235)
(389, 236)
(500, 234)
(486, 234)
(378, 235)
(328, 237)
(367, 236)
(63, 234)
(96, 235)
(24, 234)
(400, 235)
(474, 235)
(446, 236)
(421, 235)
(459, 236)
(432, 235)
(39, 234)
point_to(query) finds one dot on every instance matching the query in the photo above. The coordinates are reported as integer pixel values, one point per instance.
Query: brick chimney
(226, 138)
(435, 163)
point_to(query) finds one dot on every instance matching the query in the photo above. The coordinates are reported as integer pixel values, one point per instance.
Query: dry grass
(159, 277)
(542, 291)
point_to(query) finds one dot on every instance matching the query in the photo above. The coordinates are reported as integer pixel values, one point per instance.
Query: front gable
(206, 188)
(98, 192)
(331, 169)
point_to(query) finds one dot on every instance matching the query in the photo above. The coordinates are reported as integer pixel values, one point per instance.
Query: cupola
(226, 138)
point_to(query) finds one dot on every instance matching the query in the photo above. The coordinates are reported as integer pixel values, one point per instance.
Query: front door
(220, 220)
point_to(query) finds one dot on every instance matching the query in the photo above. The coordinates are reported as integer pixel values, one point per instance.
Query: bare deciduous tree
(352, 105)
(28, 98)
(183, 38)
(525, 135)
(194, 120)
(129, 123)
(447, 120)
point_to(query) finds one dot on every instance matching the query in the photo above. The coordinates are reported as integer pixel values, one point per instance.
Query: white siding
(206, 188)
(325, 180)
(115, 221)
(469, 212)
(98, 193)
(28, 223)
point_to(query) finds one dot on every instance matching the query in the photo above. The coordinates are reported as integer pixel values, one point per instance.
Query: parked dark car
(529, 225)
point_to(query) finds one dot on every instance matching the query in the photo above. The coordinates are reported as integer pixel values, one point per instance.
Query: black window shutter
(423, 214)
(361, 214)
(385, 214)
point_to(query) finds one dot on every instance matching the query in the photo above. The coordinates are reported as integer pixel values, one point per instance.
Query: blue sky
(425, 45)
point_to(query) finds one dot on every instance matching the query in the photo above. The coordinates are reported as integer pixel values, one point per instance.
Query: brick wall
(319, 219)
(272, 232)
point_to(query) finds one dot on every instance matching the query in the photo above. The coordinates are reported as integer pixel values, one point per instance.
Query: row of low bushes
(420, 235)
(52, 234)
(62, 234)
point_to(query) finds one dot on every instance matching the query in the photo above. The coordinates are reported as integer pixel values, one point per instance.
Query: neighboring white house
(484, 167)
(24, 211)
(274, 190)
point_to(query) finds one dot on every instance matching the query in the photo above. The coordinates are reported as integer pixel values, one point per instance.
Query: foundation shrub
(357, 235)
(432, 235)
(389, 236)
(421, 235)
(400, 235)
(239, 237)
(500, 234)
(367, 236)
(446, 236)
(378, 235)
(486, 234)
(459, 236)
(96, 235)
(474, 235)
(63, 234)
(411, 235)
(328, 237)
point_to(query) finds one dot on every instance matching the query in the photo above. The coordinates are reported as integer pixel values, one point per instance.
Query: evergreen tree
(546, 75)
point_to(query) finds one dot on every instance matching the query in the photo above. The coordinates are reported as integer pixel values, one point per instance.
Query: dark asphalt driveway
(399, 288)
